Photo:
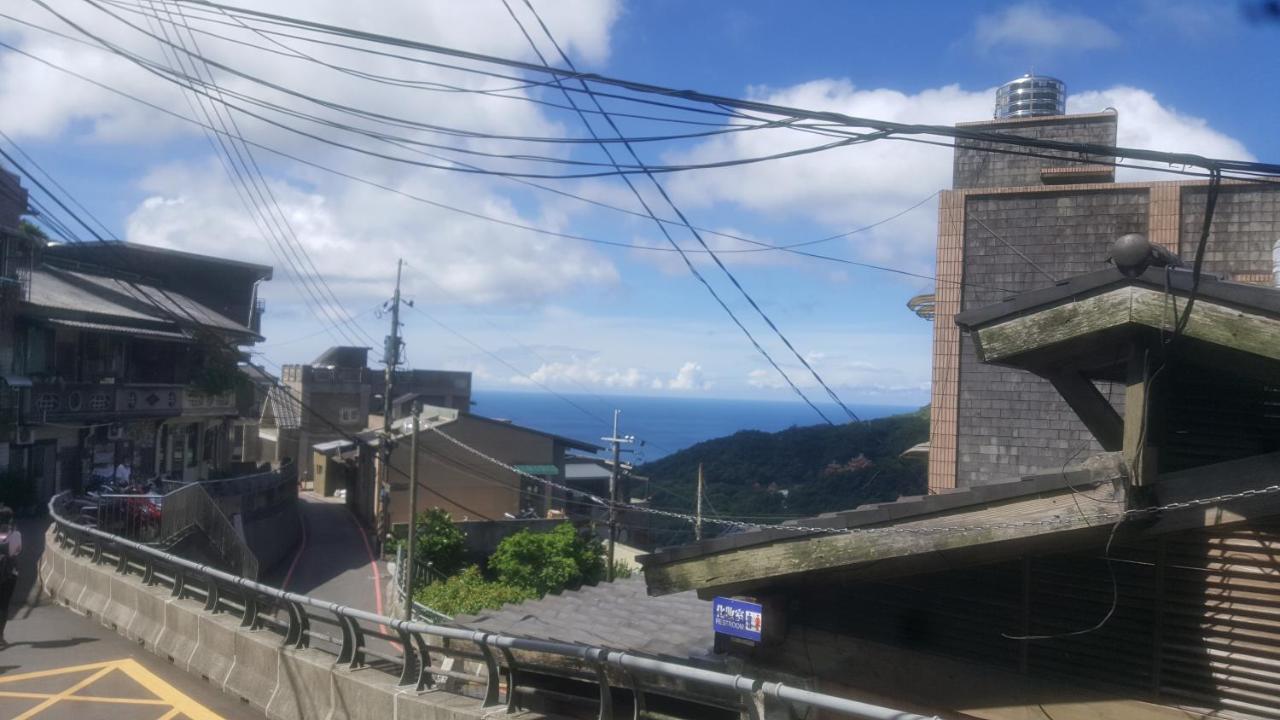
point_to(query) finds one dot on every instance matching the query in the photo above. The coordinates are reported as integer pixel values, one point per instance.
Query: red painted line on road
(377, 576)
(302, 548)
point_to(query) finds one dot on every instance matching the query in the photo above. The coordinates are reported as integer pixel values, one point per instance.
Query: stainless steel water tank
(1031, 95)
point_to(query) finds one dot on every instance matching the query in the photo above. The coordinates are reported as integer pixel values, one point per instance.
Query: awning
(17, 381)
(333, 446)
(118, 329)
(541, 470)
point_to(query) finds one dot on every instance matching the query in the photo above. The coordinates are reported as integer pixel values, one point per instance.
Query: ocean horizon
(661, 424)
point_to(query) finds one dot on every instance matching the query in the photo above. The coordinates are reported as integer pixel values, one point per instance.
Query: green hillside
(799, 471)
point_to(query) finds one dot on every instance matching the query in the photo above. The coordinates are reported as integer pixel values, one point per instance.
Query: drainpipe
(1275, 263)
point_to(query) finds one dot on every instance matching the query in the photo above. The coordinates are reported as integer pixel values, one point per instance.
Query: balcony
(53, 401)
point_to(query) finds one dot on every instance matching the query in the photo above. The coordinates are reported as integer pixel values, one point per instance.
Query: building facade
(337, 395)
(1012, 223)
(116, 357)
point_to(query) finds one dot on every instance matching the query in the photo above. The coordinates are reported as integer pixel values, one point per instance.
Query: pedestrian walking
(10, 547)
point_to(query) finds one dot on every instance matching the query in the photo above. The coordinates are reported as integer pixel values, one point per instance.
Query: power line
(837, 118)
(684, 221)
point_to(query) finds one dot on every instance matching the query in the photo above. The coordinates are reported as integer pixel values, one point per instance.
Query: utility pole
(616, 442)
(410, 560)
(391, 357)
(697, 527)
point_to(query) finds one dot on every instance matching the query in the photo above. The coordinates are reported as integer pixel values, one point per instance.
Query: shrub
(548, 562)
(439, 542)
(468, 592)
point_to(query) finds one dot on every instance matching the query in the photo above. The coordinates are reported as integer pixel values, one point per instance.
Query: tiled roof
(619, 615)
(119, 302)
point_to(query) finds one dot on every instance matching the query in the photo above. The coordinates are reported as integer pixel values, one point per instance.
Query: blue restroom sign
(738, 618)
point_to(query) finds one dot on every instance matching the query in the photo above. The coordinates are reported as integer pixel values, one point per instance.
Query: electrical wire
(684, 221)
(841, 119)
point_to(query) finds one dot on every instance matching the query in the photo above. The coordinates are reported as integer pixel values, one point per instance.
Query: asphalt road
(63, 665)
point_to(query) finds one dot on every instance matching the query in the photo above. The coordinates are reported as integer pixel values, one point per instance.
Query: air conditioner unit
(24, 435)
(115, 431)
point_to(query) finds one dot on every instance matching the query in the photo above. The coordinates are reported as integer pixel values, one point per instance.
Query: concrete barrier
(285, 684)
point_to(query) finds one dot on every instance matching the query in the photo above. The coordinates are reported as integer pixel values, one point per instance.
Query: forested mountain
(800, 471)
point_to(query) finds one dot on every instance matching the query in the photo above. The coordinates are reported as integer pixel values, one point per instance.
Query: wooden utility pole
(411, 552)
(391, 357)
(616, 442)
(697, 526)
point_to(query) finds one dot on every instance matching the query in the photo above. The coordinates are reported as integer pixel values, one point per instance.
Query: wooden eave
(911, 545)
(1073, 515)
(1074, 321)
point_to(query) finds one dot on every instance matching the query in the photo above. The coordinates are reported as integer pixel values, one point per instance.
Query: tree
(439, 542)
(549, 562)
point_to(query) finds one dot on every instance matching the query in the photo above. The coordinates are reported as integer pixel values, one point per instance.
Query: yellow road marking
(82, 698)
(69, 691)
(56, 671)
(166, 694)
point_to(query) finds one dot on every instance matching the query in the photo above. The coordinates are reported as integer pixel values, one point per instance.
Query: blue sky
(1185, 76)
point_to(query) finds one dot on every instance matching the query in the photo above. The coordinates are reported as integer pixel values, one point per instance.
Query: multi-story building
(333, 397)
(1012, 223)
(119, 355)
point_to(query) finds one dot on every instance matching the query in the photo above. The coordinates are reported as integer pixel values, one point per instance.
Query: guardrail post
(409, 664)
(211, 598)
(97, 552)
(491, 669)
(149, 572)
(753, 704)
(606, 694)
(512, 680)
(352, 652)
(425, 679)
(249, 618)
(122, 565)
(179, 583)
(299, 625)
(637, 693)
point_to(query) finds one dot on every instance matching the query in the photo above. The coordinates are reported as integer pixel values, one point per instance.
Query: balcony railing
(59, 401)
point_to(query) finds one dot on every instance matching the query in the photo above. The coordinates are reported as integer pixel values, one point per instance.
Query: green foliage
(469, 592)
(439, 542)
(799, 471)
(31, 231)
(622, 570)
(549, 562)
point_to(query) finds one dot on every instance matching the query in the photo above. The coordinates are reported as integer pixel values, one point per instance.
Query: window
(348, 415)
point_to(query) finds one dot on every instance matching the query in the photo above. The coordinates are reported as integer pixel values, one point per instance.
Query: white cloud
(1037, 26)
(584, 372)
(1146, 123)
(354, 236)
(353, 232)
(689, 377)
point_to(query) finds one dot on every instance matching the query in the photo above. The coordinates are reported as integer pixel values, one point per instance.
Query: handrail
(749, 693)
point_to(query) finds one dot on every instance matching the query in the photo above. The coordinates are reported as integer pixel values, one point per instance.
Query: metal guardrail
(222, 592)
(191, 507)
(420, 570)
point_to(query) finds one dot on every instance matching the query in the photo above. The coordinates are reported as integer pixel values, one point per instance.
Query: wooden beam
(1018, 520)
(1054, 325)
(1139, 454)
(1210, 322)
(1094, 409)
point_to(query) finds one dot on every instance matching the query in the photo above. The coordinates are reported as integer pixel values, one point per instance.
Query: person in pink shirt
(10, 547)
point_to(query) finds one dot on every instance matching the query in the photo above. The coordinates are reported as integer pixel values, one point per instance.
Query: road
(63, 666)
(335, 560)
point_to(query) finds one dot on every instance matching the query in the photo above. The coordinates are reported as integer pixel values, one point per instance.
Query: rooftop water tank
(1031, 95)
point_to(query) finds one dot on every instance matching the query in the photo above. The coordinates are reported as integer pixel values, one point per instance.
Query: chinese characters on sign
(737, 618)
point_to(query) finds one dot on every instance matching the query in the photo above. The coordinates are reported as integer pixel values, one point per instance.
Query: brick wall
(1246, 226)
(1011, 422)
(976, 167)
